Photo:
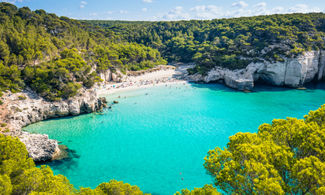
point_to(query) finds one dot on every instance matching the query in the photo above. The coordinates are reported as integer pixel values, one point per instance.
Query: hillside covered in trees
(56, 56)
(231, 43)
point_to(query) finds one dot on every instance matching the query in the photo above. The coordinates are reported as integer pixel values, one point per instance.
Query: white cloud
(12, 1)
(83, 4)
(237, 9)
(260, 9)
(240, 4)
(97, 16)
(303, 8)
(178, 13)
(206, 11)
(123, 11)
(106, 15)
(147, 1)
(93, 14)
(144, 9)
(260, 5)
(278, 9)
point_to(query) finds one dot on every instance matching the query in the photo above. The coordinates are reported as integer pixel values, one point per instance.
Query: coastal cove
(226, 97)
(157, 137)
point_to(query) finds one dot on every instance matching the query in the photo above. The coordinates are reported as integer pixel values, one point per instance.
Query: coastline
(27, 107)
(169, 76)
(24, 108)
(104, 92)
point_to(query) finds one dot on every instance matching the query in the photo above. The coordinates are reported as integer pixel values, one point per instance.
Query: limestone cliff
(292, 72)
(27, 107)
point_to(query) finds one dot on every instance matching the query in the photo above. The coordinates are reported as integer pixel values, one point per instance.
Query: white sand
(160, 77)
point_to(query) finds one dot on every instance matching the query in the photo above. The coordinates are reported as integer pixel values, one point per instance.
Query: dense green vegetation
(231, 43)
(56, 56)
(18, 174)
(285, 157)
(206, 190)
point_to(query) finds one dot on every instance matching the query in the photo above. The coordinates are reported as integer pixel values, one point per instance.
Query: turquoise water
(157, 138)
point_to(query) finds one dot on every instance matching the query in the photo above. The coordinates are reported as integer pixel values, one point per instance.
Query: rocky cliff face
(109, 76)
(40, 147)
(24, 108)
(293, 72)
(33, 108)
(27, 107)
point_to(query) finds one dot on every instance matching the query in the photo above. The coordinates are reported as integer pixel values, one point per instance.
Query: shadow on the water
(259, 87)
(60, 118)
(316, 85)
(67, 162)
(91, 115)
(223, 88)
(153, 193)
(64, 164)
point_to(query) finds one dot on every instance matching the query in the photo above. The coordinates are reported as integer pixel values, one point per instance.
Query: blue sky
(169, 9)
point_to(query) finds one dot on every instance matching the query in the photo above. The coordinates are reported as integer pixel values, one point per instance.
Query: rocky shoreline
(26, 107)
(292, 72)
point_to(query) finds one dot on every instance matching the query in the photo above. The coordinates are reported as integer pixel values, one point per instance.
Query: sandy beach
(160, 77)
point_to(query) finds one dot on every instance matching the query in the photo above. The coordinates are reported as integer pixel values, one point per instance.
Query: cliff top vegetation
(231, 43)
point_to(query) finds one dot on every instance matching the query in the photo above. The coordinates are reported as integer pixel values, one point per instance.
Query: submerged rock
(101, 104)
(64, 153)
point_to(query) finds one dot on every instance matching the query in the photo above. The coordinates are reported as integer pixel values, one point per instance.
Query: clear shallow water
(157, 138)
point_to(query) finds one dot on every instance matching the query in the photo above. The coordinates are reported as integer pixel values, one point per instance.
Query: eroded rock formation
(292, 72)
(33, 108)
(40, 147)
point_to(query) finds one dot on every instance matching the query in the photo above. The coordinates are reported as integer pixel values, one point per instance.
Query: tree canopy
(205, 190)
(55, 56)
(285, 157)
(18, 174)
(32, 44)
(232, 43)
